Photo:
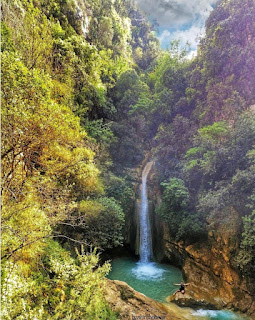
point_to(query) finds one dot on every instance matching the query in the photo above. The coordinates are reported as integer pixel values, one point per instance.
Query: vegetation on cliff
(61, 128)
(86, 91)
(205, 137)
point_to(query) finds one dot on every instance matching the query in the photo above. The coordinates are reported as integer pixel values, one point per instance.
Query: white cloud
(190, 35)
(192, 54)
(186, 17)
(165, 37)
(172, 13)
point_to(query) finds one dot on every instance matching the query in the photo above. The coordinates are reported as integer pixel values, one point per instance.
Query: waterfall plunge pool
(152, 279)
(156, 281)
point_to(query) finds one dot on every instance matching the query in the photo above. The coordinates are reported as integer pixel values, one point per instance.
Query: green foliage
(175, 194)
(215, 94)
(182, 224)
(249, 231)
(6, 42)
(34, 38)
(245, 258)
(102, 221)
(97, 223)
(45, 160)
(128, 150)
(125, 294)
(61, 120)
(58, 288)
(121, 190)
(101, 132)
(214, 200)
(214, 132)
(192, 227)
(85, 91)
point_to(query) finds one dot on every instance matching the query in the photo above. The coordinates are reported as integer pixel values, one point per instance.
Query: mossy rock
(126, 294)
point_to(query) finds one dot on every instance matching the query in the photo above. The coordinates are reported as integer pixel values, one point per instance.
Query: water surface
(152, 279)
(217, 315)
(157, 282)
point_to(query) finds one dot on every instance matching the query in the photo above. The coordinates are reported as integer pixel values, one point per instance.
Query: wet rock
(190, 300)
(132, 305)
(209, 265)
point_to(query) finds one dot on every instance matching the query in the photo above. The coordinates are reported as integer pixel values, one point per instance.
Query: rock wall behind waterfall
(132, 228)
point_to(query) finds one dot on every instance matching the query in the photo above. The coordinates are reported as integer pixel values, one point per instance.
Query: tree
(246, 257)
(97, 223)
(57, 288)
(46, 161)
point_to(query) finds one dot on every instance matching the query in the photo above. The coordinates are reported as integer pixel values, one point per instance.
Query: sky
(178, 19)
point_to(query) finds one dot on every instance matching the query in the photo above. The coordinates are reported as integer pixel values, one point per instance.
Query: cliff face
(208, 267)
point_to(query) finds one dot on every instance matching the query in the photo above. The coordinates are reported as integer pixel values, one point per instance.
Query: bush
(174, 209)
(59, 288)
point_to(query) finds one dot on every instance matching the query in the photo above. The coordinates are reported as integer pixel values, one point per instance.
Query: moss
(126, 294)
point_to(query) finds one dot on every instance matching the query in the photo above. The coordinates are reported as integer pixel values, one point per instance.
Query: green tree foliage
(34, 39)
(144, 43)
(122, 190)
(45, 160)
(131, 98)
(245, 258)
(85, 93)
(60, 63)
(171, 141)
(97, 222)
(168, 83)
(57, 288)
(205, 120)
(227, 87)
(50, 70)
(183, 224)
(249, 231)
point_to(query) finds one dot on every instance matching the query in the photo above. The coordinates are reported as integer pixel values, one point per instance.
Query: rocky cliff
(208, 266)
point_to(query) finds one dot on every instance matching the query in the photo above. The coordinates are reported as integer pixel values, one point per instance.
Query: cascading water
(145, 230)
(146, 269)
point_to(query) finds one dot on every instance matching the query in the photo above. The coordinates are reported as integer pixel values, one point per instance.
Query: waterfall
(145, 230)
(145, 269)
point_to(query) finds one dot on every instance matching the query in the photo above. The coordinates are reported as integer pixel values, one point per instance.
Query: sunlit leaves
(24, 226)
(45, 158)
(34, 39)
(103, 220)
(57, 288)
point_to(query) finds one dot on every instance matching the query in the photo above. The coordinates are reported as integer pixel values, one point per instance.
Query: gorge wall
(206, 265)
(208, 268)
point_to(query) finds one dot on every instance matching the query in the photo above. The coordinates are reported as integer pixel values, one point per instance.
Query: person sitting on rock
(182, 287)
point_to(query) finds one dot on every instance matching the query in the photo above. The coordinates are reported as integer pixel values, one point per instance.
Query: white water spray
(145, 269)
(145, 230)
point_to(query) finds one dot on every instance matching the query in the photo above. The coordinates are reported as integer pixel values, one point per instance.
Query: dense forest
(87, 93)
